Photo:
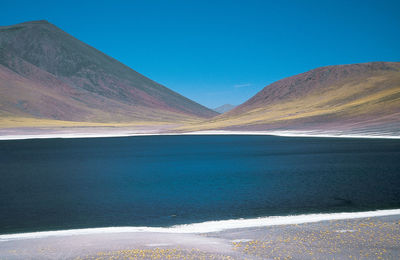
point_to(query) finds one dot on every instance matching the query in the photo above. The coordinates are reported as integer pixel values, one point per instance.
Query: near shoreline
(373, 237)
(210, 226)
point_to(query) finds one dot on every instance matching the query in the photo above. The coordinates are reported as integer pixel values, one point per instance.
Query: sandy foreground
(357, 238)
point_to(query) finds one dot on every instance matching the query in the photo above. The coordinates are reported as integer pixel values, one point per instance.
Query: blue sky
(218, 52)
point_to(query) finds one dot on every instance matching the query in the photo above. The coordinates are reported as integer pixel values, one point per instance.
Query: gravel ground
(364, 238)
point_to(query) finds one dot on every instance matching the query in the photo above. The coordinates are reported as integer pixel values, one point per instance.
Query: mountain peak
(28, 23)
(70, 80)
(37, 22)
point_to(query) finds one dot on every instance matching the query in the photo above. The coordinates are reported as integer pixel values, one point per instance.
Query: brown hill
(345, 97)
(46, 73)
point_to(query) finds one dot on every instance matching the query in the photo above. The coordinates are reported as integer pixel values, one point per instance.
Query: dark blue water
(164, 180)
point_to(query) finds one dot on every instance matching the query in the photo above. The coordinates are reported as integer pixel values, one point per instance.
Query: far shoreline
(94, 133)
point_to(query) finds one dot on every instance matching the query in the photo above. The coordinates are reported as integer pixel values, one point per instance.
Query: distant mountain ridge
(47, 73)
(224, 108)
(363, 97)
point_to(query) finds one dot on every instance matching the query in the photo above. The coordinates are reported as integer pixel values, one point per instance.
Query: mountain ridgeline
(48, 74)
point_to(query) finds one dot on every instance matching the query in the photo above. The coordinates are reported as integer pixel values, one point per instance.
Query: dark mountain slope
(47, 73)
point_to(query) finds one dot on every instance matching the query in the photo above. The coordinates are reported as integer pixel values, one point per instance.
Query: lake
(53, 184)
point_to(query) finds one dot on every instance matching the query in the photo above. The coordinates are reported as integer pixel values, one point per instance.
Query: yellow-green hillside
(333, 97)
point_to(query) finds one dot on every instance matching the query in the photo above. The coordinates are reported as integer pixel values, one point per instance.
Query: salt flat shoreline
(209, 226)
(370, 237)
(131, 133)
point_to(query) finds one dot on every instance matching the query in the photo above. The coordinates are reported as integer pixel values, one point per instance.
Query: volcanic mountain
(356, 97)
(45, 73)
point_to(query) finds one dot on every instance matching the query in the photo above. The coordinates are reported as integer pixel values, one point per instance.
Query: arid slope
(345, 97)
(47, 74)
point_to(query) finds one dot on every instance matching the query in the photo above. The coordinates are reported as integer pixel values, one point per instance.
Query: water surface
(52, 184)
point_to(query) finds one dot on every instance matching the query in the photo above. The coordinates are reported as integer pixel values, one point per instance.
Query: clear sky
(218, 52)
